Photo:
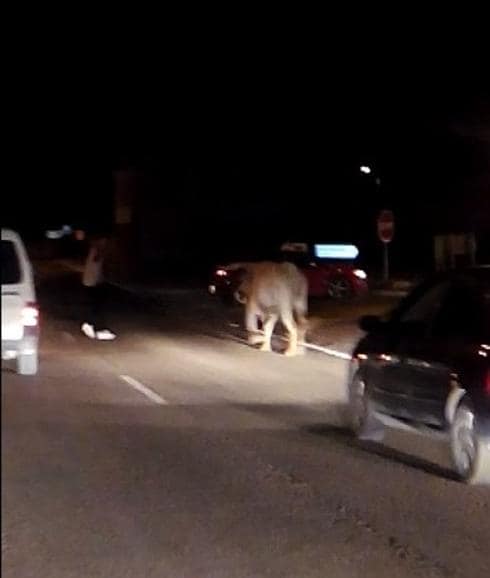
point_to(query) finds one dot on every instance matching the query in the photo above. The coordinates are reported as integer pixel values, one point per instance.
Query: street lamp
(367, 170)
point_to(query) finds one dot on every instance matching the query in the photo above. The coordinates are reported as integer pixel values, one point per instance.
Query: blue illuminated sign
(336, 251)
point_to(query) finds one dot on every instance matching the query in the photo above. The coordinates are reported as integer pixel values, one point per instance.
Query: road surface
(177, 451)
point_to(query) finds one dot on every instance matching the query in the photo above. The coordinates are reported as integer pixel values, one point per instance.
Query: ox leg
(292, 329)
(302, 326)
(269, 325)
(251, 317)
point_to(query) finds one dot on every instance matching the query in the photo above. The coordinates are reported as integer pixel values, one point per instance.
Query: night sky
(283, 144)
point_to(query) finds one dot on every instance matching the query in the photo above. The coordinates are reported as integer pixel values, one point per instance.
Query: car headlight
(360, 274)
(221, 273)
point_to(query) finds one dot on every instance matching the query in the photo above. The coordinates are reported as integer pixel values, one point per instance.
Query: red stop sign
(386, 226)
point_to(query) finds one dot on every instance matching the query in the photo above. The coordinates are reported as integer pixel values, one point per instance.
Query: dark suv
(427, 365)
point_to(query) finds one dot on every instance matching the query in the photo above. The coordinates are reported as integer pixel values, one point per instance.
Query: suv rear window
(10, 264)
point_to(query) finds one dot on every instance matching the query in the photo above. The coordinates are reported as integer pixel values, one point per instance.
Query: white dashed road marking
(146, 391)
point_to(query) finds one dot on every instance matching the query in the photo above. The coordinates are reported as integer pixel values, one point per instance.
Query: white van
(20, 313)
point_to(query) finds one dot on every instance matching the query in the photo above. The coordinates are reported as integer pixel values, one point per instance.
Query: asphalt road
(178, 451)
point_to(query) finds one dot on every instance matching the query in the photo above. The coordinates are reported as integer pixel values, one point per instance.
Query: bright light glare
(365, 169)
(221, 273)
(30, 316)
(359, 273)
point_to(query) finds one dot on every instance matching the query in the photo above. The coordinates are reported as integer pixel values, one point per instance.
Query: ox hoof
(265, 347)
(255, 339)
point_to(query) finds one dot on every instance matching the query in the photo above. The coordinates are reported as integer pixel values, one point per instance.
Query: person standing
(94, 327)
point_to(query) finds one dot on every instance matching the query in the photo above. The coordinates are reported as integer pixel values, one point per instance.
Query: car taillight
(30, 315)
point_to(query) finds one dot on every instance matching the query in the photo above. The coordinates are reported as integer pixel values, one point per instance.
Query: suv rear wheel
(470, 453)
(362, 420)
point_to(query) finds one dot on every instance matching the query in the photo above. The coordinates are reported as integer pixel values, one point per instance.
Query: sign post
(386, 263)
(386, 230)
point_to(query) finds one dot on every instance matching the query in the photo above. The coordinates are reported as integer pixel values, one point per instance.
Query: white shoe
(88, 330)
(105, 335)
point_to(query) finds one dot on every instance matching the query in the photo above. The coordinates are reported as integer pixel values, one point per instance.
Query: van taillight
(30, 315)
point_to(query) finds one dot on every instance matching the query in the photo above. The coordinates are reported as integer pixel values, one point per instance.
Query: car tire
(27, 364)
(362, 419)
(339, 288)
(470, 453)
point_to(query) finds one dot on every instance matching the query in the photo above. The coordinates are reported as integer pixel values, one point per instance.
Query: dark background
(255, 152)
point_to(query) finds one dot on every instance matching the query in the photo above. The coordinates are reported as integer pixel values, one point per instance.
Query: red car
(330, 270)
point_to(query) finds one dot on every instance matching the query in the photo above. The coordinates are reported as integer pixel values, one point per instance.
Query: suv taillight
(30, 315)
